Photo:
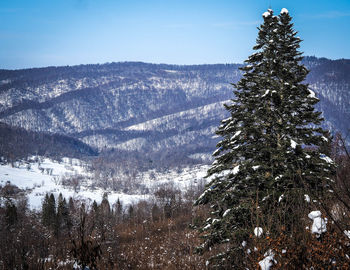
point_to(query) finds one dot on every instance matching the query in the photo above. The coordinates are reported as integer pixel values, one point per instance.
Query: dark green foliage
(56, 218)
(63, 220)
(131, 212)
(71, 206)
(94, 206)
(10, 213)
(118, 209)
(270, 147)
(18, 143)
(49, 211)
(105, 207)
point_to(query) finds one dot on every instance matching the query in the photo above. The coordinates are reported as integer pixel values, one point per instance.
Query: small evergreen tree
(71, 206)
(105, 207)
(119, 211)
(49, 211)
(94, 206)
(63, 219)
(271, 144)
(11, 215)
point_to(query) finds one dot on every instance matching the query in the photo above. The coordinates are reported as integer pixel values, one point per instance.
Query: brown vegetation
(158, 235)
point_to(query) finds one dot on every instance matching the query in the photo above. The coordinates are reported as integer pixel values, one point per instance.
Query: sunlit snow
(266, 14)
(319, 224)
(284, 11)
(312, 94)
(258, 231)
(293, 144)
(268, 261)
(46, 176)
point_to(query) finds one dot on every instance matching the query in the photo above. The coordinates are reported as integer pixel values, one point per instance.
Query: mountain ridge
(176, 106)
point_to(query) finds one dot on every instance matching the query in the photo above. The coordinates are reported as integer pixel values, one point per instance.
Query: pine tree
(49, 211)
(105, 207)
(63, 219)
(11, 215)
(119, 211)
(271, 143)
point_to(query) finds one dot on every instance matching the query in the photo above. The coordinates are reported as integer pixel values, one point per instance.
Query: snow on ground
(258, 231)
(268, 261)
(45, 176)
(182, 179)
(319, 224)
(293, 144)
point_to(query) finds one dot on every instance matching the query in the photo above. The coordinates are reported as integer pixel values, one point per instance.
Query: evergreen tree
(63, 218)
(71, 206)
(271, 143)
(49, 211)
(11, 215)
(119, 210)
(105, 207)
(94, 206)
(131, 212)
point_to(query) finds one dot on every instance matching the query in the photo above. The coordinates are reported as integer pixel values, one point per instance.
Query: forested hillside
(17, 143)
(147, 107)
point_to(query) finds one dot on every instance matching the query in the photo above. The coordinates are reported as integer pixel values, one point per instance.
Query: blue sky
(37, 33)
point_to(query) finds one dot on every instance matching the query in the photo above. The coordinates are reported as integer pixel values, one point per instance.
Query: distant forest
(18, 143)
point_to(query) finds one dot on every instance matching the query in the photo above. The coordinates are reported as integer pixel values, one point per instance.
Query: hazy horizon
(170, 64)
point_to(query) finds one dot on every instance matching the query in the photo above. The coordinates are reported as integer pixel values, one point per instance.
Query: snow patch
(324, 138)
(312, 94)
(216, 151)
(293, 144)
(235, 170)
(319, 224)
(46, 176)
(226, 212)
(258, 231)
(266, 14)
(207, 227)
(284, 11)
(236, 134)
(278, 177)
(281, 198)
(268, 261)
(326, 158)
(347, 233)
(307, 198)
(266, 92)
(170, 71)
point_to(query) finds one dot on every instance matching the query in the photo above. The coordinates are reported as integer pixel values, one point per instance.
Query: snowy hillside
(147, 107)
(39, 176)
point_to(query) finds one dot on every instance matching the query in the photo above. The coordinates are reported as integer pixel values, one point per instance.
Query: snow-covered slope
(37, 178)
(147, 107)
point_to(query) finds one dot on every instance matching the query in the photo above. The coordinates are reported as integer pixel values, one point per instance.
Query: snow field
(46, 176)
